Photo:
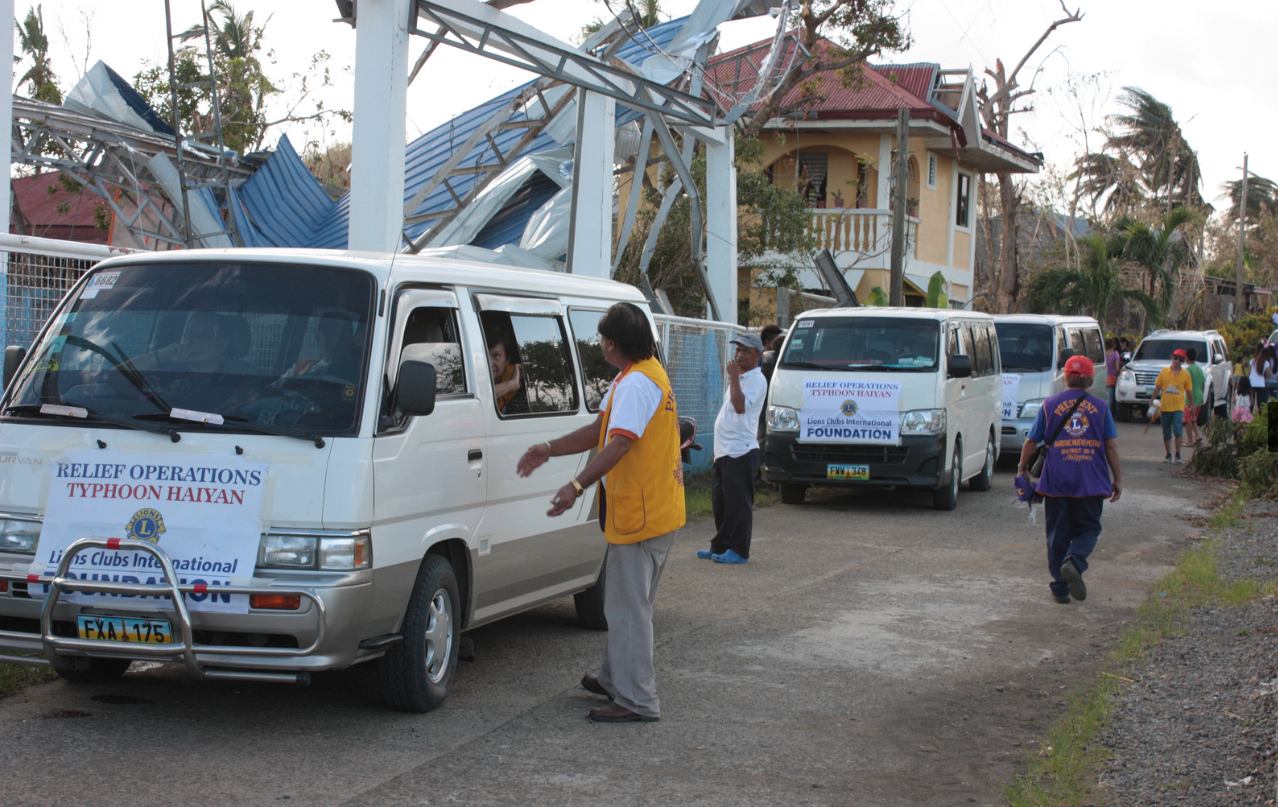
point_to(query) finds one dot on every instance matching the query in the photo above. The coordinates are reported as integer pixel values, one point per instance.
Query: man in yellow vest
(641, 506)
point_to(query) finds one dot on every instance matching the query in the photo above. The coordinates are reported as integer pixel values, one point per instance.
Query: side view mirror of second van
(415, 392)
(1067, 353)
(960, 366)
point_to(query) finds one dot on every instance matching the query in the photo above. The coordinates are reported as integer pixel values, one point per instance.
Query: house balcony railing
(867, 231)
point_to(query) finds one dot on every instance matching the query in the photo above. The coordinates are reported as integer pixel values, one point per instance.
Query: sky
(1207, 61)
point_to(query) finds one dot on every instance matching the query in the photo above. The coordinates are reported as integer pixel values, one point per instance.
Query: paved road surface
(873, 652)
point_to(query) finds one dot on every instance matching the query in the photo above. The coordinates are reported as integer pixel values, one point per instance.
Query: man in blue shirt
(1080, 471)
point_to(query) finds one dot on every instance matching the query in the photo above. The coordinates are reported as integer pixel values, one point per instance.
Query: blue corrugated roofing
(287, 208)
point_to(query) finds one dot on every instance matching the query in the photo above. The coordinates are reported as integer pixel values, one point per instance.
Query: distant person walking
(1113, 362)
(736, 454)
(1080, 471)
(641, 506)
(1192, 436)
(1171, 388)
(1260, 370)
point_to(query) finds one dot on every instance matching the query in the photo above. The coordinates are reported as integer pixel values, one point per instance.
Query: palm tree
(1149, 132)
(1115, 179)
(35, 44)
(1262, 197)
(1161, 252)
(1091, 289)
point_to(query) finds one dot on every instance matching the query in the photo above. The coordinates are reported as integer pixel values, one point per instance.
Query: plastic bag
(1242, 409)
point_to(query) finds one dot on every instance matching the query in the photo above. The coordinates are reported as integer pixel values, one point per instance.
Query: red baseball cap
(1180, 354)
(1080, 366)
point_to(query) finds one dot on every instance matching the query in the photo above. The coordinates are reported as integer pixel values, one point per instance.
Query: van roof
(1046, 319)
(910, 312)
(424, 268)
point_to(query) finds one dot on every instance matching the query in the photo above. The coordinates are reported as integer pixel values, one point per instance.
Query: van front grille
(849, 454)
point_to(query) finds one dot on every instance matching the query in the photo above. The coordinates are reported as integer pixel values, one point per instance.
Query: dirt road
(873, 652)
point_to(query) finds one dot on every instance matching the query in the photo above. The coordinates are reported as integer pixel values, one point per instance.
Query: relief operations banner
(1011, 394)
(851, 411)
(205, 512)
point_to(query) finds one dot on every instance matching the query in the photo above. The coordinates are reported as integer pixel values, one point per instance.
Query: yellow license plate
(124, 629)
(853, 472)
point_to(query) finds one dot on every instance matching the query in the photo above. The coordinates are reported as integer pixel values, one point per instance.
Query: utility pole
(896, 295)
(1239, 311)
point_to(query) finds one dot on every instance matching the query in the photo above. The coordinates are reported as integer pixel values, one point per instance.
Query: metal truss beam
(476, 28)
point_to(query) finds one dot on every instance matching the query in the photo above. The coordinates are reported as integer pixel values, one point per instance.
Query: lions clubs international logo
(849, 408)
(1077, 425)
(146, 525)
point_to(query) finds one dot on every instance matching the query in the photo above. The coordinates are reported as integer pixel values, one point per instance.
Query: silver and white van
(265, 463)
(885, 397)
(1034, 349)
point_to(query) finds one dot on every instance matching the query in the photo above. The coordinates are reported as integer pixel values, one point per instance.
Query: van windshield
(1161, 349)
(1025, 346)
(880, 344)
(267, 346)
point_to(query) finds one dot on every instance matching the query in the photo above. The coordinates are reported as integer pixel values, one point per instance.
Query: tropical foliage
(1092, 287)
(39, 78)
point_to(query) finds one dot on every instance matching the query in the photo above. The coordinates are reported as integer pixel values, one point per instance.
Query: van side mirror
(415, 391)
(1066, 355)
(13, 356)
(960, 366)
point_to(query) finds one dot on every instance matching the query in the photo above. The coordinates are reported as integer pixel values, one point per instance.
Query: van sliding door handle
(474, 455)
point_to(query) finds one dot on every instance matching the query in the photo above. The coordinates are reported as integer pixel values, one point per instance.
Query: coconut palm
(1149, 132)
(1111, 177)
(35, 44)
(1091, 289)
(1161, 251)
(1262, 197)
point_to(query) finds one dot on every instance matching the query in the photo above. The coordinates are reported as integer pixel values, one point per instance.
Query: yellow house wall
(962, 249)
(843, 148)
(932, 241)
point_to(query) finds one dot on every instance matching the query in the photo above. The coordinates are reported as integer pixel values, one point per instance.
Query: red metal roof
(32, 196)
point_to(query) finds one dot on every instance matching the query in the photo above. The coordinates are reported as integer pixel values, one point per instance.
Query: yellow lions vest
(644, 491)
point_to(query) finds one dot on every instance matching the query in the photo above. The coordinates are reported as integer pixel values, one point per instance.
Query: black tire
(985, 479)
(946, 498)
(590, 603)
(793, 492)
(1122, 413)
(1204, 411)
(416, 672)
(98, 671)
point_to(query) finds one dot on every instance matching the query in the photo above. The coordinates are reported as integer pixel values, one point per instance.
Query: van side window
(529, 364)
(596, 372)
(1076, 342)
(982, 364)
(1062, 344)
(996, 356)
(430, 335)
(956, 347)
(1095, 347)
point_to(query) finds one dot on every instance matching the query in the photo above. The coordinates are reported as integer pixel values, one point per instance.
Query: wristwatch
(576, 486)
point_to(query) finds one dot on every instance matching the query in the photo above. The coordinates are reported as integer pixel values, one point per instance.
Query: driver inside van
(338, 349)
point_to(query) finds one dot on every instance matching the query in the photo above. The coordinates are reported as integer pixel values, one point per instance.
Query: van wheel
(985, 479)
(793, 492)
(946, 498)
(1205, 411)
(97, 671)
(417, 672)
(590, 603)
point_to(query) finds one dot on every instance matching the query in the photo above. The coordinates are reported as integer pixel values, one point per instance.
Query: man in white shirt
(736, 454)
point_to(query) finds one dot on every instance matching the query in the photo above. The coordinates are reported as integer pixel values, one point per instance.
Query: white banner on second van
(850, 411)
(1011, 395)
(204, 512)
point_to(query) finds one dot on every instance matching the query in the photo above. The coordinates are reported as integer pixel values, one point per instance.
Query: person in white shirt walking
(736, 454)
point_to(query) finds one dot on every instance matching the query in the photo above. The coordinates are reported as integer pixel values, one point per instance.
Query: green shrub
(1242, 335)
(1220, 453)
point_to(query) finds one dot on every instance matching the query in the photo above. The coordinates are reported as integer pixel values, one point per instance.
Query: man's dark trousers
(732, 495)
(1073, 525)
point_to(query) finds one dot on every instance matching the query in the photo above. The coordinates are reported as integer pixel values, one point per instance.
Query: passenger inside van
(507, 372)
(339, 352)
(210, 343)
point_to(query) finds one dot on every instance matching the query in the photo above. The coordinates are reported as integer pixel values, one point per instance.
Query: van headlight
(783, 419)
(923, 421)
(1030, 408)
(326, 553)
(19, 535)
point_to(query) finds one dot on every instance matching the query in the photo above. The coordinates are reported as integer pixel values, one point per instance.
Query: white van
(1034, 349)
(308, 446)
(883, 397)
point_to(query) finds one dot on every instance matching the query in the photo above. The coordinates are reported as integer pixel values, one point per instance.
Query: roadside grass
(14, 677)
(696, 495)
(1062, 770)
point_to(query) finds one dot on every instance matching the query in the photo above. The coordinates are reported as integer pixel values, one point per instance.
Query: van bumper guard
(185, 651)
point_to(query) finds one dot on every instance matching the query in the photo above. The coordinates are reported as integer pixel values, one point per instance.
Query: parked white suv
(1136, 381)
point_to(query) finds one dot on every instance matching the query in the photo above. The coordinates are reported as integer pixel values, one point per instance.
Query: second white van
(885, 397)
